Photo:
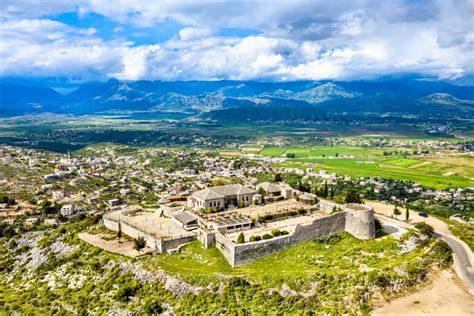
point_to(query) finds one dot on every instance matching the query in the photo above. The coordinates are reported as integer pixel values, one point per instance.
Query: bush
(267, 236)
(301, 211)
(258, 238)
(124, 292)
(284, 232)
(276, 232)
(252, 239)
(425, 229)
(152, 307)
(139, 243)
(241, 238)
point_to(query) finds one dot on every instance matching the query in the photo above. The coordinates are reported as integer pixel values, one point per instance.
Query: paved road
(465, 268)
(464, 262)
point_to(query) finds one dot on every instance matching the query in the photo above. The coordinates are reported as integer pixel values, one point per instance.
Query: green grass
(442, 173)
(463, 232)
(273, 151)
(296, 266)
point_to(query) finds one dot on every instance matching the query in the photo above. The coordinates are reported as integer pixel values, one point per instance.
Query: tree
(139, 243)
(396, 211)
(326, 192)
(353, 197)
(241, 238)
(407, 214)
(277, 177)
(332, 192)
(262, 191)
(425, 229)
(119, 234)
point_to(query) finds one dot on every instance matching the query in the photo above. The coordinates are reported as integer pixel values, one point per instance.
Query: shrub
(276, 232)
(292, 213)
(124, 292)
(267, 236)
(301, 211)
(425, 229)
(152, 307)
(252, 239)
(139, 243)
(258, 238)
(284, 232)
(396, 211)
(241, 238)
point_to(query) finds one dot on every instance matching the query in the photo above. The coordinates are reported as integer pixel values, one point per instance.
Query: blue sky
(243, 40)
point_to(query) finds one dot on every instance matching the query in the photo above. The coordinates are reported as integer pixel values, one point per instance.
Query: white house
(67, 210)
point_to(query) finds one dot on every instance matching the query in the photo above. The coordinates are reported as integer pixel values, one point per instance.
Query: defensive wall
(359, 223)
(160, 244)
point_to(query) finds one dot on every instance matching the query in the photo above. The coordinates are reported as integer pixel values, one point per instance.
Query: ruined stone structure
(159, 244)
(355, 219)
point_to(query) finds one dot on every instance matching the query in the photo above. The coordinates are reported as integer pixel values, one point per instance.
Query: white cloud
(190, 33)
(297, 39)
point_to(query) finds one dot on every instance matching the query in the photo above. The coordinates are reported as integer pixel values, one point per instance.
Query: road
(463, 256)
(463, 260)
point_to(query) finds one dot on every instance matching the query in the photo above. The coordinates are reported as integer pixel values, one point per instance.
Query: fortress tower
(360, 221)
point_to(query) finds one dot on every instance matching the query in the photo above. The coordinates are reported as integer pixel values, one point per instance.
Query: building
(277, 189)
(186, 220)
(67, 210)
(221, 197)
(269, 188)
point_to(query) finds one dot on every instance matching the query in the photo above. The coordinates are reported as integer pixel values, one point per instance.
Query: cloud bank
(244, 40)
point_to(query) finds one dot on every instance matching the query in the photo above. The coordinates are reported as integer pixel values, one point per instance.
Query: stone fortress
(271, 219)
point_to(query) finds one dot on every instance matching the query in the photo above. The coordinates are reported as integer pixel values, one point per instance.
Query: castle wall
(239, 254)
(207, 238)
(360, 223)
(133, 232)
(159, 244)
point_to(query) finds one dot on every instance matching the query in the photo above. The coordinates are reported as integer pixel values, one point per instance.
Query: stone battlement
(358, 221)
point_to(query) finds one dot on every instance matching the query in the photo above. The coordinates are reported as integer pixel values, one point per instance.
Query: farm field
(439, 172)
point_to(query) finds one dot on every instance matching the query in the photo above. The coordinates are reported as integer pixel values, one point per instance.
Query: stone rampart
(239, 254)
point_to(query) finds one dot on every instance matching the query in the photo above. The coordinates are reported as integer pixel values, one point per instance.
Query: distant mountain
(394, 97)
(268, 113)
(445, 99)
(432, 106)
(325, 92)
(19, 98)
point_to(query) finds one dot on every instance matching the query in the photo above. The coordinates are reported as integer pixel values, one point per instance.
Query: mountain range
(211, 99)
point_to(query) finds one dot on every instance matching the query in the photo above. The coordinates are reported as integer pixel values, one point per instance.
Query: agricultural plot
(273, 151)
(445, 172)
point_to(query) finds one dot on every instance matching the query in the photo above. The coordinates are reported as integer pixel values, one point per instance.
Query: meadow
(437, 172)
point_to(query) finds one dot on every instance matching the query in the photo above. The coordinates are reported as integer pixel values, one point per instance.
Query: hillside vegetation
(52, 271)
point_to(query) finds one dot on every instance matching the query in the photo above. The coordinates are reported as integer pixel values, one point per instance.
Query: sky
(86, 40)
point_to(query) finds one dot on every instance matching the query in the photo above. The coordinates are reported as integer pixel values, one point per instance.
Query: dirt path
(443, 295)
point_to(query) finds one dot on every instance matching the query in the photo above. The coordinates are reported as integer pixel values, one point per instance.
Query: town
(243, 205)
